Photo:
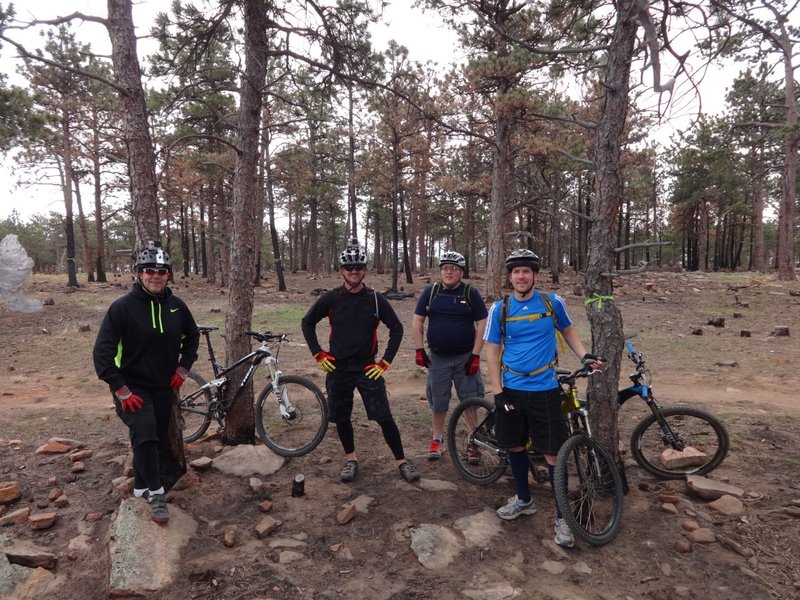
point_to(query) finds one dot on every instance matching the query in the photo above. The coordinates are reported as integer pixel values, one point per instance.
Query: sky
(422, 33)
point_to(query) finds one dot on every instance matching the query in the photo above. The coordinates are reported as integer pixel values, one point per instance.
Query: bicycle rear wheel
(588, 490)
(702, 436)
(195, 408)
(471, 442)
(303, 429)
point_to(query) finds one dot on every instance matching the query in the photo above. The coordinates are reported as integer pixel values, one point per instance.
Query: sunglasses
(154, 271)
(354, 267)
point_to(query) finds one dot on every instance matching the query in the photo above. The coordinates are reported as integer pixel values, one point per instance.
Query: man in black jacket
(145, 347)
(354, 312)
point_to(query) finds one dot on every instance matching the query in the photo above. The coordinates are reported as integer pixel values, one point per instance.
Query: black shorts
(340, 386)
(536, 415)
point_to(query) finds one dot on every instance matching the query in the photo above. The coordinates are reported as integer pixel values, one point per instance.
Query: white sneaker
(516, 507)
(564, 537)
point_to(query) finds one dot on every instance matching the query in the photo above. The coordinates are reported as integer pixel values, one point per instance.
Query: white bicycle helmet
(523, 258)
(452, 258)
(353, 254)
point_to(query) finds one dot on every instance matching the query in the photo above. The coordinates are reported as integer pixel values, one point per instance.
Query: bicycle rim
(588, 490)
(304, 429)
(702, 435)
(194, 411)
(471, 442)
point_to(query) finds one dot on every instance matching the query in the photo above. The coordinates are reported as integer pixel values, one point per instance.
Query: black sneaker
(408, 473)
(158, 508)
(349, 471)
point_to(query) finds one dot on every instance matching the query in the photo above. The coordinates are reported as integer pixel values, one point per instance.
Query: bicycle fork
(288, 410)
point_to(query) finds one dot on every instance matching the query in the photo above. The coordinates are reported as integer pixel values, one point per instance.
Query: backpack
(549, 312)
(437, 286)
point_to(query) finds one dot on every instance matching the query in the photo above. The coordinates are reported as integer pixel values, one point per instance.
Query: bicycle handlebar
(568, 377)
(266, 336)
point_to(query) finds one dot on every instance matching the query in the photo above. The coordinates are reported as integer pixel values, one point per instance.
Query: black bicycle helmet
(452, 258)
(153, 256)
(523, 258)
(353, 254)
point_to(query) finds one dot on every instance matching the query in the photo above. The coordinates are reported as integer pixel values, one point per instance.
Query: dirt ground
(48, 388)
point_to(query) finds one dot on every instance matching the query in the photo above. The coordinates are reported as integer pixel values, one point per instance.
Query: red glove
(325, 361)
(130, 401)
(176, 381)
(422, 358)
(473, 364)
(376, 370)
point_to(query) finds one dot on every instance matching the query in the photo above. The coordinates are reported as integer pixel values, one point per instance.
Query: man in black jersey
(145, 347)
(354, 312)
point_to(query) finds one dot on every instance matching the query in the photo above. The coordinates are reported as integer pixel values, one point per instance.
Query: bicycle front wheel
(195, 407)
(471, 442)
(588, 490)
(690, 442)
(300, 426)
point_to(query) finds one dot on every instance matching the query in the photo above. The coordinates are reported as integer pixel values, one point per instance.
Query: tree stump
(780, 331)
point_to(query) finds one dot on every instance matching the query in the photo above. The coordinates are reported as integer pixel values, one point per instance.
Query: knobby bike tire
(303, 432)
(490, 462)
(195, 412)
(588, 490)
(697, 429)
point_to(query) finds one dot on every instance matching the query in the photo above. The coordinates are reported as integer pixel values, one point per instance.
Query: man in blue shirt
(521, 358)
(456, 317)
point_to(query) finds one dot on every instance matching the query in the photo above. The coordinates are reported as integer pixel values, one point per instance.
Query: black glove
(502, 403)
(591, 358)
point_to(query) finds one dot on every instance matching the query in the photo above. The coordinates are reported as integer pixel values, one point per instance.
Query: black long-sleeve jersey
(143, 339)
(354, 320)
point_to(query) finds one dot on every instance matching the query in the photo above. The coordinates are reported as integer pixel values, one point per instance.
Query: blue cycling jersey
(529, 344)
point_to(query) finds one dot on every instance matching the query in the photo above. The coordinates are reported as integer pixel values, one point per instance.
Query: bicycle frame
(260, 355)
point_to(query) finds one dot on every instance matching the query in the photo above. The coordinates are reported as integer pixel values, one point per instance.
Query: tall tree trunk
(757, 251)
(501, 191)
(66, 187)
(351, 166)
(395, 202)
(100, 255)
(246, 200)
(270, 197)
(136, 130)
(791, 139)
(406, 256)
(87, 252)
(604, 316)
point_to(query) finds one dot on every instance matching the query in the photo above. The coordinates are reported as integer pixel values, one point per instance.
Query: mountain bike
(672, 441)
(291, 414)
(587, 483)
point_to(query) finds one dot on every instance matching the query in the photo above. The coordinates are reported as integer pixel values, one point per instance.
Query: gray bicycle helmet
(353, 254)
(153, 256)
(452, 258)
(522, 258)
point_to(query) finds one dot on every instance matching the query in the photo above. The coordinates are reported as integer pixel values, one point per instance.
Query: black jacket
(354, 320)
(143, 339)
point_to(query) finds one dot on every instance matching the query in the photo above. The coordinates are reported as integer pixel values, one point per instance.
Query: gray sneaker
(158, 508)
(516, 507)
(349, 471)
(408, 473)
(564, 537)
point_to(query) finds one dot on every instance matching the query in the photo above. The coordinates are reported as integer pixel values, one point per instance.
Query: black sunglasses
(354, 267)
(154, 271)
